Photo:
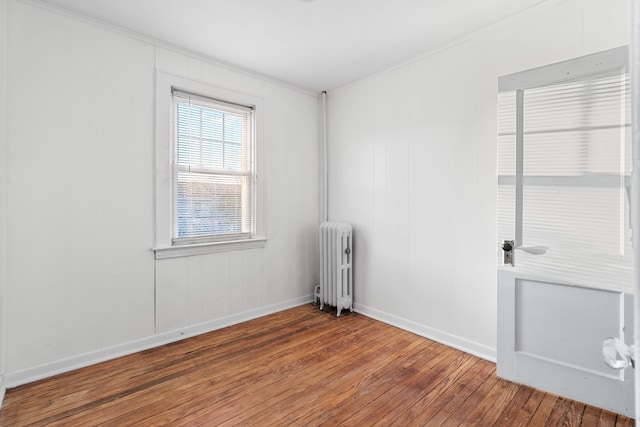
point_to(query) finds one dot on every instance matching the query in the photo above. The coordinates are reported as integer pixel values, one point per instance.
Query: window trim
(163, 245)
(572, 69)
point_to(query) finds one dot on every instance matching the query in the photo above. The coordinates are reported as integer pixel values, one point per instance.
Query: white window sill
(207, 248)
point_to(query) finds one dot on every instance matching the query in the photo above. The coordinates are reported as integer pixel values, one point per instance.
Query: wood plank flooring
(298, 367)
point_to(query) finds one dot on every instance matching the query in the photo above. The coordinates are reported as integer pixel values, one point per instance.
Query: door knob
(507, 256)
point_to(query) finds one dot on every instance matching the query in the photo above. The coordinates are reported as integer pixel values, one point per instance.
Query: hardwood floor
(297, 367)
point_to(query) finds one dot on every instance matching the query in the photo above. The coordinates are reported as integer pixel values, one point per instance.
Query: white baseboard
(28, 375)
(462, 344)
(3, 389)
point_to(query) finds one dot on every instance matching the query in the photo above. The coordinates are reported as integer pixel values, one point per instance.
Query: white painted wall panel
(82, 282)
(80, 273)
(412, 155)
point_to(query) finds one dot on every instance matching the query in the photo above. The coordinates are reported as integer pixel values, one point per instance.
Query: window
(568, 128)
(212, 170)
(208, 156)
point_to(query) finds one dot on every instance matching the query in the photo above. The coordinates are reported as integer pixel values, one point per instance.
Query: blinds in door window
(212, 170)
(576, 163)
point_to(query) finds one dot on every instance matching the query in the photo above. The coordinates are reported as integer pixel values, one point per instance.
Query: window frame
(249, 144)
(164, 245)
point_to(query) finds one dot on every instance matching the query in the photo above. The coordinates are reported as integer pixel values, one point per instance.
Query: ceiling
(314, 44)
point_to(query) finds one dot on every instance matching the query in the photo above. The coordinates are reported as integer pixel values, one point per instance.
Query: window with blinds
(575, 164)
(213, 177)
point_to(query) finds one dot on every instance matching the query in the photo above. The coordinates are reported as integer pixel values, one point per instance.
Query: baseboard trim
(462, 344)
(3, 389)
(28, 375)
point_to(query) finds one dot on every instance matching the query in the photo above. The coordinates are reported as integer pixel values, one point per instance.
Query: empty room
(319, 212)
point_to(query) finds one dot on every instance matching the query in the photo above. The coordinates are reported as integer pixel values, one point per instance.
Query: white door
(563, 165)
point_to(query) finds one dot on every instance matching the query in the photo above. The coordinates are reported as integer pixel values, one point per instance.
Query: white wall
(412, 155)
(82, 283)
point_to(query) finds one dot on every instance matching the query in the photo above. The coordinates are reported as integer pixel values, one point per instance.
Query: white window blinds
(576, 162)
(213, 179)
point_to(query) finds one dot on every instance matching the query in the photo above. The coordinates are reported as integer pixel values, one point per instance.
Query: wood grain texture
(297, 367)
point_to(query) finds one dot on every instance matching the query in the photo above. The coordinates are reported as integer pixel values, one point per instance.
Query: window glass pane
(506, 214)
(506, 168)
(187, 119)
(232, 156)
(561, 107)
(576, 152)
(507, 133)
(584, 227)
(209, 204)
(212, 154)
(212, 124)
(232, 128)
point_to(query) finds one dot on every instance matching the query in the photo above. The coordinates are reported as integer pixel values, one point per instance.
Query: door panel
(550, 337)
(562, 323)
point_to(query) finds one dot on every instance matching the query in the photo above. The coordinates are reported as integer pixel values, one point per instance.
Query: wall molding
(28, 375)
(459, 343)
(3, 191)
(3, 389)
